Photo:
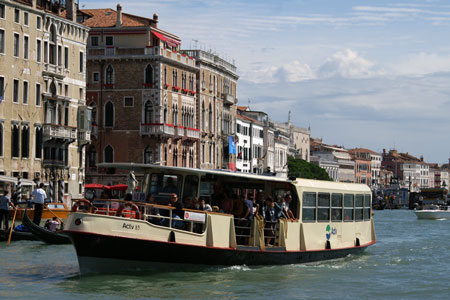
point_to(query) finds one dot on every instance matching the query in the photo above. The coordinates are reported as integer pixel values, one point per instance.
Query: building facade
(142, 92)
(216, 110)
(43, 116)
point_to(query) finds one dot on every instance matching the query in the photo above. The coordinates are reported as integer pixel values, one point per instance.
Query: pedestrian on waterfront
(5, 202)
(39, 197)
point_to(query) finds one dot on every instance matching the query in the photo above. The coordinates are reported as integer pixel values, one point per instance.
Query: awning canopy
(170, 41)
(119, 187)
(10, 179)
(96, 186)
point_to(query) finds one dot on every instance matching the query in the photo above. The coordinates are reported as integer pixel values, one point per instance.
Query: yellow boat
(50, 210)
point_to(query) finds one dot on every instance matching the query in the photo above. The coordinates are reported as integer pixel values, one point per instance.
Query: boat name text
(131, 226)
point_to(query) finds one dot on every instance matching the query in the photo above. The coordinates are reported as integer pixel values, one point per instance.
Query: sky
(371, 74)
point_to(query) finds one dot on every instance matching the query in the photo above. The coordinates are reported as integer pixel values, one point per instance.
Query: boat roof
(331, 185)
(138, 167)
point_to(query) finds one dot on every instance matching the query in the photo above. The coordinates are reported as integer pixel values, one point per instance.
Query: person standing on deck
(39, 196)
(5, 201)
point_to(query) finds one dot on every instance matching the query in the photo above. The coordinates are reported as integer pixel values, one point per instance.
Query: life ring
(134, 211)
(78, 203)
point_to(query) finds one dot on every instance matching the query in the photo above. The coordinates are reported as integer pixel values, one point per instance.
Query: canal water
(411, 260)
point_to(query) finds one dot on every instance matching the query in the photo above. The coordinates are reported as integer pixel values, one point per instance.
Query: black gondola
(45, 235)
(17, 236)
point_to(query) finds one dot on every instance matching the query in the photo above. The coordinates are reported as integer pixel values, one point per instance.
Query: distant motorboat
(433, 212)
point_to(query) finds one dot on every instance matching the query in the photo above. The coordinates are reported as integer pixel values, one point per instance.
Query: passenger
(53, 224)
(246, 219)
(227, 205)
(215, 208)
(238, 206)
(287, 211)
(177, 213)
(195, 203)
(270, 217)
(260, 199)
(155, 216)
(187, 203)
(205, 206)
(218, 195)
(47, 224)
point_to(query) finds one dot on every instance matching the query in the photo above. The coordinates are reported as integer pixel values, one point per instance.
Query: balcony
(228, 99)
(61, 132)
(51, 163)
(157, 129)
(140, 52)
(54, 70)
(180, 131)
(84, 137)
(192, 133)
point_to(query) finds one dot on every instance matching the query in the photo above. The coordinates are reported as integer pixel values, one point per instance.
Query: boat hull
(100, 253)
(433, 214)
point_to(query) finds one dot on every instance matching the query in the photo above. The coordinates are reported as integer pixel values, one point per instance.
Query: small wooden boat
(50, 210)
(45, 235)
(17, 235)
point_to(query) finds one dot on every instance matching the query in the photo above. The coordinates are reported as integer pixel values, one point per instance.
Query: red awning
(95, 186)
(169, 40)
(119, 187)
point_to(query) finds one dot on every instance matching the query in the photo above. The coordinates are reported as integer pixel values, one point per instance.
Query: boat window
(190, 186)
(323, 213)
(359, 207)
(146, 184)
(309, 207)
(206, 190)
(348, 207)
(162, 185)
(367, 207)
(336, 207)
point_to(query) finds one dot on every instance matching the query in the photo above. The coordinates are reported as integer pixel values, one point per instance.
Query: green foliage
(303, 169)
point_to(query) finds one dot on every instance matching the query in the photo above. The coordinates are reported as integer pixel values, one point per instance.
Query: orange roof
(249, 119)
(244, 108)
(106, 17)
(362, 150)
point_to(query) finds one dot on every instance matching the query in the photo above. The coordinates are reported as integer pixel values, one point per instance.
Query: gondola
(43, 234)
(17, 235)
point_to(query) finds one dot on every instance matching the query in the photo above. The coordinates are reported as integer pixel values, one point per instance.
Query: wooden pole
(12, 226)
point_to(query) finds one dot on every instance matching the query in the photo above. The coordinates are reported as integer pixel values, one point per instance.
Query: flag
(231, 145)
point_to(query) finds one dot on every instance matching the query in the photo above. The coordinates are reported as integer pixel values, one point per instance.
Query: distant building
(43, 115)
(410, 171)
(143, 95)
(340, 156)
(216, 109)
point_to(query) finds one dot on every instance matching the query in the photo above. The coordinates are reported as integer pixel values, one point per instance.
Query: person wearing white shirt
(39, 197)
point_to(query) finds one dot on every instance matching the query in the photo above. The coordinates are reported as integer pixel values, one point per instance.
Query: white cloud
(347, 64)
(423, 63)
(292, 72)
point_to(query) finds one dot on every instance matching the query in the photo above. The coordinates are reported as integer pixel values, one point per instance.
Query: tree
(301, 168)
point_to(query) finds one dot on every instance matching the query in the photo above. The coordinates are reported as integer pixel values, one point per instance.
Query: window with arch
(165, 75)
(15, 139)
(148, 155)
(165, 155)
(92, 156)
(175, 157)
(191, 82)
(1, 139)
(109, 154)
(175, 115)
(52, 45)
(25, 141)
(203, 116)
(184, 158)
(38, 142)
(148, 80)
(191, 158)
(148, 113)
(109, 114)
(109, 78)
(210, 121)
(175, 78)
(165, 112)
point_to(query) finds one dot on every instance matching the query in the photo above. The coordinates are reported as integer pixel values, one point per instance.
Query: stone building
(43, 117)
(216, 110)
(142, 91)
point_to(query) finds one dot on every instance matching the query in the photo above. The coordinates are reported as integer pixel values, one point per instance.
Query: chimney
(119, 15)
(71, 9)
(155, 20)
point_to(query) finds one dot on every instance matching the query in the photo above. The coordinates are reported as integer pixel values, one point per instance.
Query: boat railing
(162, 215)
